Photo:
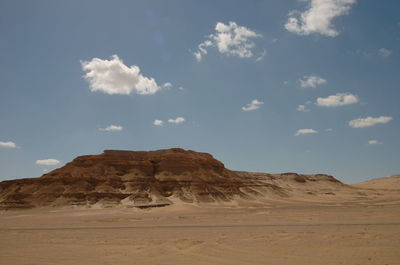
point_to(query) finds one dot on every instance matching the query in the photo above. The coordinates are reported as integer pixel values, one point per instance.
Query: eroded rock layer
(134, 179)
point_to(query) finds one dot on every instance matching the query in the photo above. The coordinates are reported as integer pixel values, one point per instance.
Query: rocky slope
(134, 179)
(159, 178)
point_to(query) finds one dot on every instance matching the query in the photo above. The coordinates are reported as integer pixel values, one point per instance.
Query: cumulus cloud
(47, 162)
(232, 40)
(302, 108)
(112, 128)
(305, 131)
(114, 77)
(158, 123)
(373, 142)
(369, 121)
(384, 52)
(312, 81)
(177, 120)
(318, 17)
(253, 105)
(340, 99)
(8, 144)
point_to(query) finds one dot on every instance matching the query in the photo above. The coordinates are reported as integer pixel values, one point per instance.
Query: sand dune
(386, 183)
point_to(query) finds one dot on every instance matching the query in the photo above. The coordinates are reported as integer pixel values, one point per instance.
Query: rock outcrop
(134, 179)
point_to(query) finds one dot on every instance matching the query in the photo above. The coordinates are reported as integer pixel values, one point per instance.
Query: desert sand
(180, 207)
(279, 233)
(386, 183)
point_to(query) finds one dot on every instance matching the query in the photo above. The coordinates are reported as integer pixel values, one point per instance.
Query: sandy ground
(386, 183)
(278, 234)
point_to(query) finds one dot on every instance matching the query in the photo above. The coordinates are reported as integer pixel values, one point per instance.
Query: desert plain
(277, 233)
(177, 207)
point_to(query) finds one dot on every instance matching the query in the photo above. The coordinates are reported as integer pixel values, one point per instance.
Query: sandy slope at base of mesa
(386, 183)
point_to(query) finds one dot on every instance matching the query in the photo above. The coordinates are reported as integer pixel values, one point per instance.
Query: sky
(307, 86)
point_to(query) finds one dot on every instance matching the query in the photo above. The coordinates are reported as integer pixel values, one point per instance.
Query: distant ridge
(386, 183)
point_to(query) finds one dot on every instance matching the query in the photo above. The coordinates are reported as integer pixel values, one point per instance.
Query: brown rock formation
(133, 179)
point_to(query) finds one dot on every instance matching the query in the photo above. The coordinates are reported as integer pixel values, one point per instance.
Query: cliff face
(133, 179)
(158, 178)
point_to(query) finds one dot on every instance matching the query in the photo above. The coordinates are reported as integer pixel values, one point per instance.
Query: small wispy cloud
(362, 53)
(158, 123)
(302, 108)
(253, 105)
(372, 142)
(167, 85)
(369, 121)
(177, 120)
(340, 99)
(384, 52)
(112, 128)
(8, 144)
(261, 56)
(305, 131)
(312, 81)
(48, 162)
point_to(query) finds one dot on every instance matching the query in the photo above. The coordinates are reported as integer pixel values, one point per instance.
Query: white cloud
(8, 144)
(369, 121)
(177, 120)
(318, 18)
(261, 56)
(362, 53)
(385, 52)
(47, 162)
(202, 49)
(114, 77)
(305, 131)
(340, 99)
(302, 108)
(312, 81)
(373, 142)
(230, 39)
(255, 104)
(112, 128)
(158, 123)
(167, 85)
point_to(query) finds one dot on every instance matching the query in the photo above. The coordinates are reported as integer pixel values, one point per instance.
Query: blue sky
(78, 77)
